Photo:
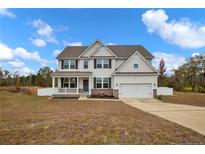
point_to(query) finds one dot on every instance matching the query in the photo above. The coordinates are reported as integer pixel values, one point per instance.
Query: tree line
(188, 77)
(41, 79)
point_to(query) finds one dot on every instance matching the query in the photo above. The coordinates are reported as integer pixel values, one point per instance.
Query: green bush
(187, 88)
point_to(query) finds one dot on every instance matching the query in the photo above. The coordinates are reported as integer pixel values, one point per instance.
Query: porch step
(83, 97)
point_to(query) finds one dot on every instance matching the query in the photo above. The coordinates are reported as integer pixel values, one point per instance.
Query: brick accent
(116, 93)
(102, 92)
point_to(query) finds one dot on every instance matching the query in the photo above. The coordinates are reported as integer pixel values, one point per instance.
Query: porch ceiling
(69, 73)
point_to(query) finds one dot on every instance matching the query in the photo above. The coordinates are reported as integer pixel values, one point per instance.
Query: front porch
(71, 85)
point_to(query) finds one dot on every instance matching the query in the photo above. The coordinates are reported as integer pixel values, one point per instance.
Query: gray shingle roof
(124, 51)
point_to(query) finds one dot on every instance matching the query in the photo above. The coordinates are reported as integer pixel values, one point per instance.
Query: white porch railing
(65, 91)
(45, 91)
(51, 91)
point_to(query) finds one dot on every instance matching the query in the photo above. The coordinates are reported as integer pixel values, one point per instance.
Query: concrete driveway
(192, 117)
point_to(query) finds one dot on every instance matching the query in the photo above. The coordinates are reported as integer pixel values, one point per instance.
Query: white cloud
(44, 30)
(39, 42)
(183, 32)
(5, 52)
(6, 12)
(172, 61)
(24, 71)
(24, 54)
(195, 54)
(78, 43)
(110, 43)
(56, 52)
(16, 63)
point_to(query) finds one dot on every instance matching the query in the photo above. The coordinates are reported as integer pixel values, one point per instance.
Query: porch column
(77, 84)
(53, 82)
(90, 83)
(59, 82)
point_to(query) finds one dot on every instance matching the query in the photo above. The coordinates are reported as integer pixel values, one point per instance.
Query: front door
(85, 85)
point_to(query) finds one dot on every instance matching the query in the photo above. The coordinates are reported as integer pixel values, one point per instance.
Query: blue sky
(31, 38)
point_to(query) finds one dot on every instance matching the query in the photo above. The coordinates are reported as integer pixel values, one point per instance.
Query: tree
(162, 75)
(44, 78)
(191, 74)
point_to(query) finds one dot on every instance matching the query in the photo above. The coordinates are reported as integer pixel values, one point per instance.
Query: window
(65, 82)
(85, 63)
(99, 63)
(69, 64)
(73, 82)
(105, 63)
(102, 83)
(102, 63)
(98, 82)
(105, 82)
(135, 65)
(66, 64)
(72, 64)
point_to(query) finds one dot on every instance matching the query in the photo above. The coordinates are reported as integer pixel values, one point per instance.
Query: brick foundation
(102, 92)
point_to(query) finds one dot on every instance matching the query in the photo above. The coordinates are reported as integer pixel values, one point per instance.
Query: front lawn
(28, 119)
(186, 98)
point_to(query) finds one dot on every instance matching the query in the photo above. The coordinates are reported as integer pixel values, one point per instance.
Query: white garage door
(136, 90)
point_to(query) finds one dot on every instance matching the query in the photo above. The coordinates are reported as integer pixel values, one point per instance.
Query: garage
(135, 90)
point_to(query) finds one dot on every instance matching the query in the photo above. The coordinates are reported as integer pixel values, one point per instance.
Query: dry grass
(28, 119)
(196, 99)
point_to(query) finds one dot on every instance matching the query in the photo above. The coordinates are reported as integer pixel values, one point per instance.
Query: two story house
(105, 70)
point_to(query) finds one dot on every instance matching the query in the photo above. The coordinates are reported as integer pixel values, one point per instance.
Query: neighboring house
(105, 70)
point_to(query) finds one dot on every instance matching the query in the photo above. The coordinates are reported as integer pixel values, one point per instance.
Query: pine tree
(162, 75)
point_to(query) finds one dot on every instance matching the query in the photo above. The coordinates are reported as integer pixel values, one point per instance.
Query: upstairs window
(105, 63)
(66, 64)
(85, 64)
(102, 63)
(70, 64)
(98, 63)
(136, 66)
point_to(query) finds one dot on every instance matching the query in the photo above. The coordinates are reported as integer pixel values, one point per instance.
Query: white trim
(89, 47)
(135, 74)
(102, 45)
(136, 52)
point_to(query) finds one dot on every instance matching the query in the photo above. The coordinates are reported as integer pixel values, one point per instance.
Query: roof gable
(94, 46)
(135, 58)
